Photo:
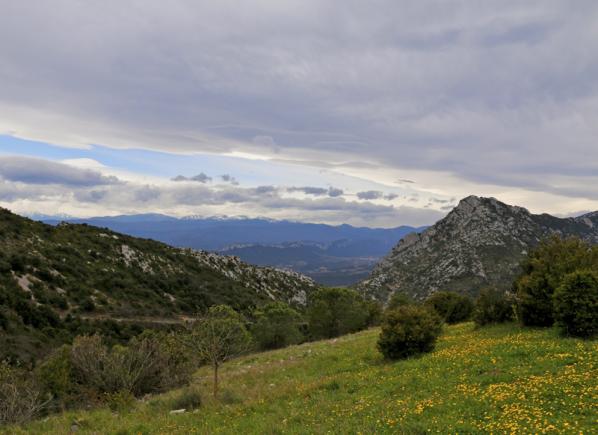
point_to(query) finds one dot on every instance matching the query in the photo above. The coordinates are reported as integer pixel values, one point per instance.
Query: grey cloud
(376, 194)
(334, 192)
(370, 194)
(93, 196)
(318, 191)
(258, 201)
(200, 178)
(39, 171)
(229, 179)
(467, 88)
(266, 190)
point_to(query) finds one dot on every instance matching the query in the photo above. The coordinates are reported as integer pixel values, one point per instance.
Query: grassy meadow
(500, 379)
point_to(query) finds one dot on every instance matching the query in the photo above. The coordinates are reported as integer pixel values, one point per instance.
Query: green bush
(451, 306)
(493, 306)
(54, 375)
(189, 399)
(276, 325)
(543, 272)
(576, 304)
(399, 299)
(409, 330)
(119, 401)
(374, 311)
(335, 311)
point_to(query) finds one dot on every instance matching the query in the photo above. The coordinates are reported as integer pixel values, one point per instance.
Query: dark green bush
(409, 330)
(335, 311)
(54, 375)
(374, 311)
(276, 325)
(576, 304)
(399, 299)
(451, 306)
(493, 306)
(543, 272)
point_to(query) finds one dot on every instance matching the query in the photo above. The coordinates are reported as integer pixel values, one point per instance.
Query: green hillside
(501, 379)
(60, 281)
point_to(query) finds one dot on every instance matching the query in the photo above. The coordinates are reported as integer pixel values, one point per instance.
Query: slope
(48, 275)
(499, 379)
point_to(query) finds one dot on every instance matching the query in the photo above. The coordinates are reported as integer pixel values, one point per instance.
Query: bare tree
(20, 397)
(217, 336)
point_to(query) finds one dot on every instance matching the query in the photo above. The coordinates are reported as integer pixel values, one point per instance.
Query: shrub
(20, 397)
(452, 307)
(276, 325)
(119, 401)
(189, 398)
(543, 272)
(147, 364)
(408, 330)
(399, 299)
(335, 311)
(179, 363)
(493, 306)
(54, 375)
(229, 397)
(3, 320)
(576, 304)
(374, 312)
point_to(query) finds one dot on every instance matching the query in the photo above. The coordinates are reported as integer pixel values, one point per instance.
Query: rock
(480, 243)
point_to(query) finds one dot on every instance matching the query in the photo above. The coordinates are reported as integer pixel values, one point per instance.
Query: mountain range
(480, 243)
(331, 255)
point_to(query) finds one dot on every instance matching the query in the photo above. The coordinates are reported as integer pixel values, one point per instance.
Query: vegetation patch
(500, 378)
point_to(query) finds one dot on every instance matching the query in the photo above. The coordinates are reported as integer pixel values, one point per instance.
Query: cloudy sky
(375, 113)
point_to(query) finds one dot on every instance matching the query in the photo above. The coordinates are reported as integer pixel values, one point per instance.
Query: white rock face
(481, 242)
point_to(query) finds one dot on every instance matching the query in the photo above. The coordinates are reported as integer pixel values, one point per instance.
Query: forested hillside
(55, 280)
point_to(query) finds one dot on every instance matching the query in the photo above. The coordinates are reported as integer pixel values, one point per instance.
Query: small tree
(576, 304)
(493, 306)
(451, 306)
(543, 272)
(408, 330)
(276, 325)
(336, 311)
(217, 336)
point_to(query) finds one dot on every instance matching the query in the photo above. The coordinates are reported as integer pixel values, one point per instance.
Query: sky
(378, 113)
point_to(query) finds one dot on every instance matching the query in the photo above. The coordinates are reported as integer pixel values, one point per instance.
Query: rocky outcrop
(481, 242)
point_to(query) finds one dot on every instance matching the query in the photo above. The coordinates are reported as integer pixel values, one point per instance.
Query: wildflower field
(498, 379)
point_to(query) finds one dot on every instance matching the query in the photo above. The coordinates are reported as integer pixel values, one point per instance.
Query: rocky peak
(479, 243)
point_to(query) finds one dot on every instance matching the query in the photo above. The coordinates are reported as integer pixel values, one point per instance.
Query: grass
(497, 379)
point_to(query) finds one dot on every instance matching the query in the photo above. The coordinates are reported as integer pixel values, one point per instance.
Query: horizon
(369, 115)
(57, 217)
